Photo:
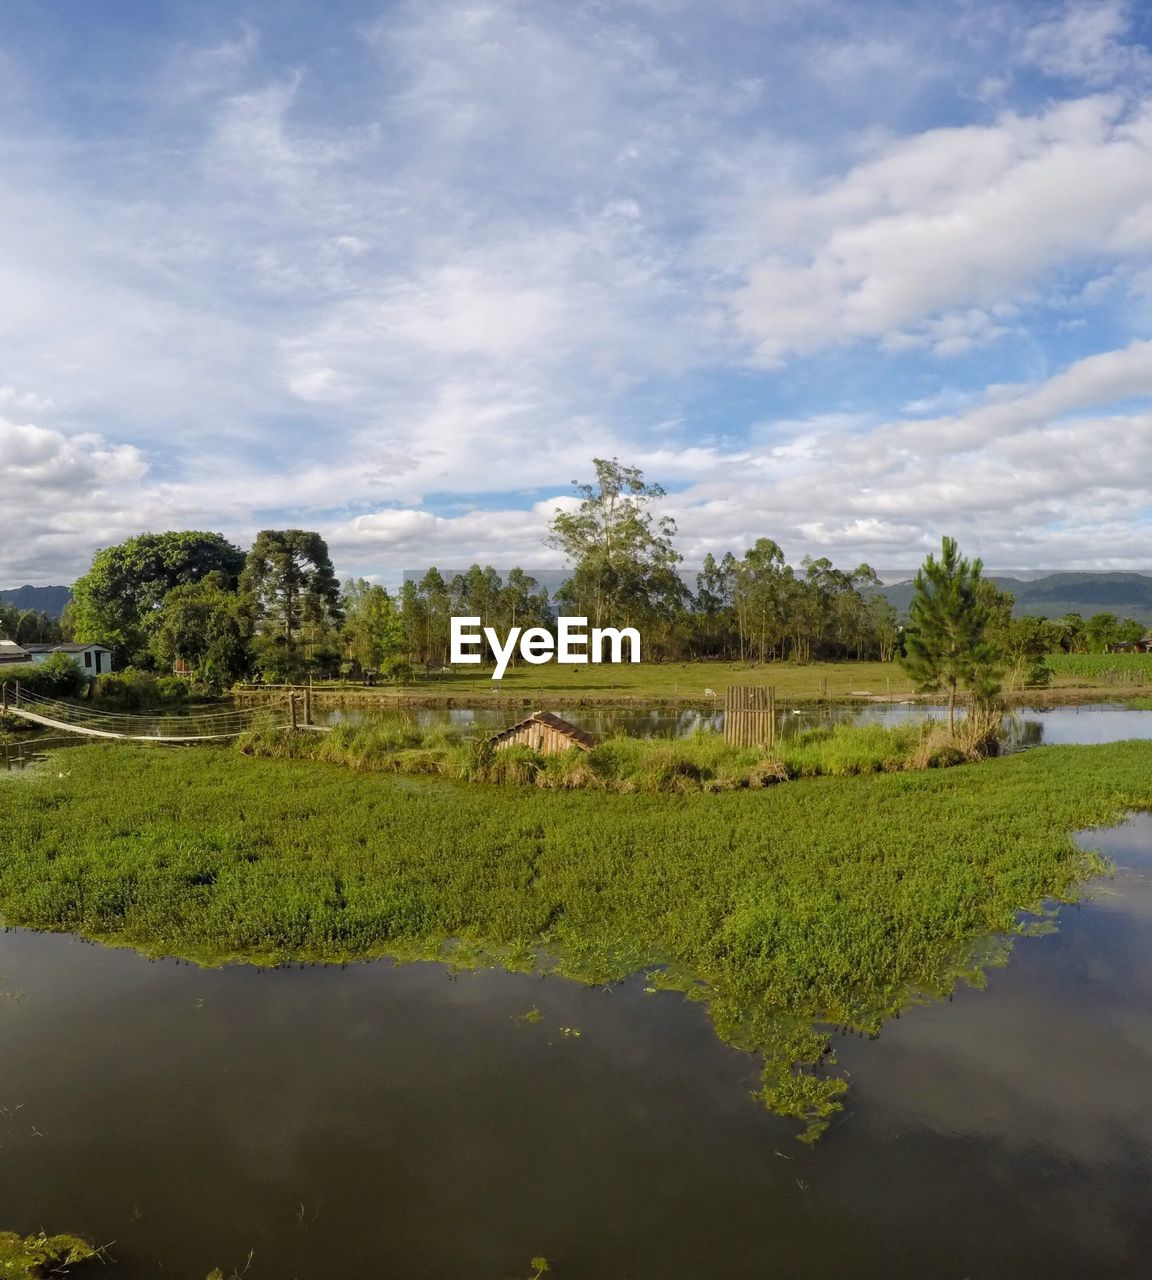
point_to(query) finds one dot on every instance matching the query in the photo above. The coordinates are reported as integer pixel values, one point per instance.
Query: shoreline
(401, 699)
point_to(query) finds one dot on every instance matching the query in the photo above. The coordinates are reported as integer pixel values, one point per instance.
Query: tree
(947, 641)
(1131, 632)
(206, 626)
(291, 588)
(761, 589)
(623, 560)
(1102, 632)
(522, 602)
(118, 599)
(1025, 642)
(373, 635)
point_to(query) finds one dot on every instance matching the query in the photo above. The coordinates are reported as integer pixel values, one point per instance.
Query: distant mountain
(49, 600)
(1127, 595)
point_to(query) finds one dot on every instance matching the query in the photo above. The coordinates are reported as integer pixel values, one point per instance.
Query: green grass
(656, 681)
(827, 901)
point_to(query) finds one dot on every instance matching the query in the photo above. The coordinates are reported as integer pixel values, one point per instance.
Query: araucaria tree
(623, 560)
(289, 584)
(947, 643)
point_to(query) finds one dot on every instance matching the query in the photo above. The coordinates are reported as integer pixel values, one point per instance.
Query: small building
(95, 659)
(543, 732)
(1134, 646)
(10, 651)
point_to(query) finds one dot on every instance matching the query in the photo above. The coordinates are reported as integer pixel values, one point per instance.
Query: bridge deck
(120, 737)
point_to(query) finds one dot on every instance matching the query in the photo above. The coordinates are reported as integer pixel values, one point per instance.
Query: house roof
(39, 648)
(10, 646)
(77, 648)
(579, 736)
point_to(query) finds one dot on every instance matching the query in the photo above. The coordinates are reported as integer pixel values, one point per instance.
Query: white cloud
(953, 227)
(1087, 42)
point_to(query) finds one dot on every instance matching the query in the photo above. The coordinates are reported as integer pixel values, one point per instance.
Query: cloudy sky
(848, 275)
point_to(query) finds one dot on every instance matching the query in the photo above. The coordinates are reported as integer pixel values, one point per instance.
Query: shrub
(134, 690)
(57, 677)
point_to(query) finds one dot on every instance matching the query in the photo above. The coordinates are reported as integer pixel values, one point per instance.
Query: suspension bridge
(195, 726)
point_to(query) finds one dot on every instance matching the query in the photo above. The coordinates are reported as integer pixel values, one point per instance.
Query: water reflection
(397, 1121)
(1024, 727)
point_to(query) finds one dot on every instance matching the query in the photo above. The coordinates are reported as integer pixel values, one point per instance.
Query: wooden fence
(750, 716)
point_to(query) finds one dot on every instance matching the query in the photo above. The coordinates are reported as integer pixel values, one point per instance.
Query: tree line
(29, 626)
(196, 603)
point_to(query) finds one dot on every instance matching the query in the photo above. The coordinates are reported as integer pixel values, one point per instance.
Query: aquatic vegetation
(829, 902)
(36, 1256)
(701, 762)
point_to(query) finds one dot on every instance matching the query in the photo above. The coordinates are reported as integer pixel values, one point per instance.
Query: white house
(95, 659)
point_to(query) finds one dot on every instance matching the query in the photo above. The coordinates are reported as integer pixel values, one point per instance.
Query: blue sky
(849, 276)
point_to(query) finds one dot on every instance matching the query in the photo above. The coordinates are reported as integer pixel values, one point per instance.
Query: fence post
(4, 698)
(292, 710)
(308, 703)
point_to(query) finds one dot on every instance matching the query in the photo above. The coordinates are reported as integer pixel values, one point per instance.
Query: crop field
(824, 901)
(1105, 669)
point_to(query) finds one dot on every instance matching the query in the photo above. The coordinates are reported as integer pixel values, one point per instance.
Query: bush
(133, 690)
(57, 677)
(1038, 677)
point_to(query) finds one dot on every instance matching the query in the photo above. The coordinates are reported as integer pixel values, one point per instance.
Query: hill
(1128, 595)
(49, 600)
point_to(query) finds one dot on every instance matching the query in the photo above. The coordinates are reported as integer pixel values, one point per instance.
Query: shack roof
(581, 737)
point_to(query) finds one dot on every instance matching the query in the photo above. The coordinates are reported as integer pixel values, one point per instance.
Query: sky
(849, 276)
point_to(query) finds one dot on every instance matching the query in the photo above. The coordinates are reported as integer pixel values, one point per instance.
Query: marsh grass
(830, 902)
(701, 762)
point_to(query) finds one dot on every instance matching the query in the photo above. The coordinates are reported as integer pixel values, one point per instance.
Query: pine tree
(947, 642)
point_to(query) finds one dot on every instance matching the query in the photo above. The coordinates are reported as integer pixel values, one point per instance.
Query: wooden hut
(545, 733)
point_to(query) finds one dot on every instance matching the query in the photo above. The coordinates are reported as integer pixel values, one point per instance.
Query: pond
(1024, 727)
(389, 1120)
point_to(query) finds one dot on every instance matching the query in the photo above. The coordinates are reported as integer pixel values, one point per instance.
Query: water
(397, 1121)
(1025, 727)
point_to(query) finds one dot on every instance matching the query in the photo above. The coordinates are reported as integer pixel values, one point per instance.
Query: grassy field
(1075, 676)
(827, 901)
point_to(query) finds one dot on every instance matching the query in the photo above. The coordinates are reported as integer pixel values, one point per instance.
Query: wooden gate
(749, 716)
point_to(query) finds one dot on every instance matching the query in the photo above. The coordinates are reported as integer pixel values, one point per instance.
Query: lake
(391, 1120)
